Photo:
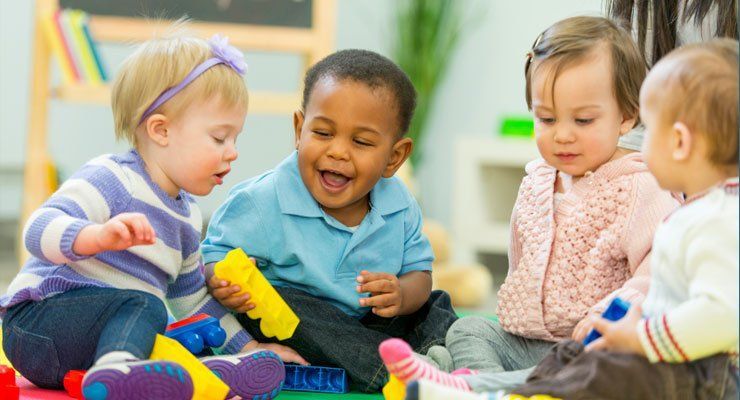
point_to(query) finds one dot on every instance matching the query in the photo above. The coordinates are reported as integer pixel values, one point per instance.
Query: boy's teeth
(335, 179)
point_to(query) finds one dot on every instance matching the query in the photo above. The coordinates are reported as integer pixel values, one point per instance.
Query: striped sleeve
(659, 342)
(90, 196)
(707, 323)
(188, 296)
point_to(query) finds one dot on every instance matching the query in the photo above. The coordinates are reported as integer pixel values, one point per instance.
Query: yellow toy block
(277, 317)
(394, 389)
(535, 397)
(3, 360)
(206, 385)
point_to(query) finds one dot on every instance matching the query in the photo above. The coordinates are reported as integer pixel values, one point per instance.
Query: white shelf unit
(488, 172)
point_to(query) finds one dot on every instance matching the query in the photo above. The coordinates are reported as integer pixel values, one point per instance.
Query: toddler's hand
(619, 336)
(385, 293)
(584, 327)
(118, 233)
(285, 353)
(225, 293)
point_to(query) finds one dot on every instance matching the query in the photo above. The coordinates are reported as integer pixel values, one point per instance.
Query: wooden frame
(39, 178)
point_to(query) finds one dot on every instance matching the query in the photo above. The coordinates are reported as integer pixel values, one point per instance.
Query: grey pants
(503, 360)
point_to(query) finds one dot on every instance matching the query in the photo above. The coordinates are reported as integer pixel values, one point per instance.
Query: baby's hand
(385, 293)
(118, 233)
(619, 336)
(285, 353)
(225, 294)
(584, 327)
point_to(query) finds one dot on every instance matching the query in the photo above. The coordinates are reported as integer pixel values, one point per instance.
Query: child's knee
(150, 306)
(472, 326)
(441, 297)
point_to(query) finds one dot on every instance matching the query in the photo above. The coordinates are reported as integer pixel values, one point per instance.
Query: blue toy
(196, 332)
(616, 310)
(315, 379)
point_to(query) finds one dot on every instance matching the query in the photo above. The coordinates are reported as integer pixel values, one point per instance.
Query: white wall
(484, 81)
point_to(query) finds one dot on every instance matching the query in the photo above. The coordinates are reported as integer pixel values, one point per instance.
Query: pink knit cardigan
(567, 262)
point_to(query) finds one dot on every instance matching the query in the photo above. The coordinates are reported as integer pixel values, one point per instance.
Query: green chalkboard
(281, 13)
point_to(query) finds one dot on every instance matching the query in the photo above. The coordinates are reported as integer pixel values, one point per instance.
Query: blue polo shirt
(274, 218)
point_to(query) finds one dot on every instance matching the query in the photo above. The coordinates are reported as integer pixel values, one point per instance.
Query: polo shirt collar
(292, 194)
(389, 196)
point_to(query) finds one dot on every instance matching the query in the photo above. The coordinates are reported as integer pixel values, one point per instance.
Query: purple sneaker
(258, 374)
(137, 380)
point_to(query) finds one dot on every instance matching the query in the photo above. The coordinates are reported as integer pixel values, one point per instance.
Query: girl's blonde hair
(571, 40)
(161, 63)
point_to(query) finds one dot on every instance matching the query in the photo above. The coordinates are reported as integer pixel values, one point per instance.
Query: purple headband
(223, 53)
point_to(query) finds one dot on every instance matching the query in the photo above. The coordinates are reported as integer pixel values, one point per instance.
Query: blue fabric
(274, 219)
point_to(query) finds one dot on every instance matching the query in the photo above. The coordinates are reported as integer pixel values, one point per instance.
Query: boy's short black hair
(372, 69)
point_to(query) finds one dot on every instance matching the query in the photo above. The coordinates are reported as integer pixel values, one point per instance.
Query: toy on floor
(3, 359)
(302, 378)
(197, 332)
(394, 389)
(206, 385)
(8, 389)
(616, 310)
(277, 319)
(73, 383)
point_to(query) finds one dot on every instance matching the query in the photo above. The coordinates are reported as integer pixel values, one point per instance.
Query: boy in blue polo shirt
(332, 229)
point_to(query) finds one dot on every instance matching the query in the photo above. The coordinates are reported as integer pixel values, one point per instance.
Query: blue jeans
(327, 335)
(45, 339)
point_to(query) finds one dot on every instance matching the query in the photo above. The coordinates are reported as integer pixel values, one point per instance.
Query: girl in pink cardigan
(583, 223)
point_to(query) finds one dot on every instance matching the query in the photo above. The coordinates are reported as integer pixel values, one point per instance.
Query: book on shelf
(68, 34)
(55, 41)
(65, 29)
(84, 47)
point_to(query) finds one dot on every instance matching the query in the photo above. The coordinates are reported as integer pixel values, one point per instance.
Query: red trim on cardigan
(652, 342)
(673, 341)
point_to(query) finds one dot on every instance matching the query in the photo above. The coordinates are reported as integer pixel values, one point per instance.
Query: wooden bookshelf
(315, 43)
(259, 102)
(82, 94)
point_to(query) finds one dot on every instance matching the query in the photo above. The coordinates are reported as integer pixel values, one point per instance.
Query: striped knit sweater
(692, 304)
(170, 269)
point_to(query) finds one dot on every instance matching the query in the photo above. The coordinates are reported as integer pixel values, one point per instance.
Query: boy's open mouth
(333, 180)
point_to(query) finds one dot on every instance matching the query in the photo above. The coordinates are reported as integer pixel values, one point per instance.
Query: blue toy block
(197, 332)
(302, 378)
(616, 310)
